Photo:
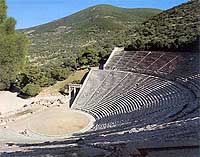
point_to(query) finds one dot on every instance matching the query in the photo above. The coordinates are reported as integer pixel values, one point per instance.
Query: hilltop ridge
(96, 26)
(105, 11)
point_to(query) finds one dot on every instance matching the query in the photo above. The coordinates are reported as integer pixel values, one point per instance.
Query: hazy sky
(34, 12)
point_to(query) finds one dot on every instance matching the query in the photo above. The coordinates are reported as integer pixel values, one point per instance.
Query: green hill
(175, 29)
(63, 40)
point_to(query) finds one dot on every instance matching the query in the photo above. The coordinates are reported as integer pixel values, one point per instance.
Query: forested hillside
(13, 49)
(84, 37)
(176, 29)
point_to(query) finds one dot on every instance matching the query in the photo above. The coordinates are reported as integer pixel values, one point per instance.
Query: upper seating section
(154, 62)
(180, 66)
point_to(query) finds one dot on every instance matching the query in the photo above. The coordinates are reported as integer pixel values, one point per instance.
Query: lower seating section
(122, 99)
(111, 81)
(92, 82)
(157, 115)
(172, 124)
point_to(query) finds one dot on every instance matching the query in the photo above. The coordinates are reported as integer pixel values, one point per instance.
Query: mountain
(176, 29)
(61, 40)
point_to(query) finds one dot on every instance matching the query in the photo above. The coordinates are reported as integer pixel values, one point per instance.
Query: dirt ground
(10, 102)
(52, 121)
(43, 116)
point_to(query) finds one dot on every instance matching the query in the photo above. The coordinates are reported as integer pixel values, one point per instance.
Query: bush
(31, 89)
(60, 74)
(3, 86)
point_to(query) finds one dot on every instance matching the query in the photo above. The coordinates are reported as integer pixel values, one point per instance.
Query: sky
(30, 13)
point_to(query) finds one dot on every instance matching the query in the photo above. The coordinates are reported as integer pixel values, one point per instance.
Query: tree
(12, 57)
(34, 75)
(90, 57)
(13, 49)
(60, 74)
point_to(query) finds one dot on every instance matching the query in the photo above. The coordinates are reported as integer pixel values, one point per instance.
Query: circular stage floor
(58, 122)
(53, 121)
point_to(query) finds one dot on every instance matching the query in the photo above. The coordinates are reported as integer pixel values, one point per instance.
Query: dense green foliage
(176, 29)
(3, 11)
(73, 40)
(37, 77)
(41, 77)
(31, 89)
(60, 74)
(34, 75)
(13, 49)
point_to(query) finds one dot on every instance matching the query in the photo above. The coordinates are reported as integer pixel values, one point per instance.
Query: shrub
(3, 86)
(60, 74)
(31, 89)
